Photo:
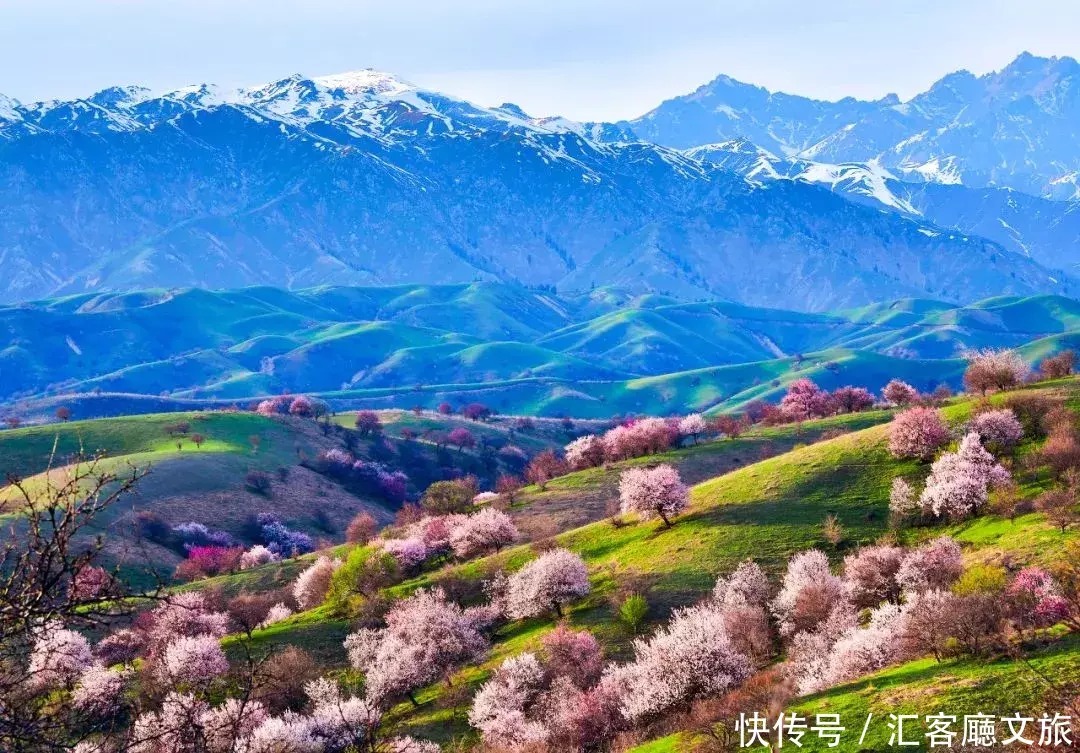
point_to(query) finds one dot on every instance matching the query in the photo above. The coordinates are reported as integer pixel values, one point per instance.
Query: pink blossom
(176, 728)
(746, 586)
(408, 744)
(899, 393)
(574, 654)
(346, 725)
(120, 647)
(185, 614)
(850, 399)
(934, 565)
(313, 582)
(917, 433)
(693, 657)
(276, 614)
(653, 491)
(227, 726)
(805, 400)
(808, 575)
(91, 583)
(903, 502)
(644, 437)
(959, 481)
(256, 556)
(290, 734)
(58, 657)
(692, 425)
(426, 636)
(1000, 428)
(1034, 592)
(302, 406)
(499, 707)
(409, 553)
(547, 583)
(861, 650)
(99, 691)
(487, 530)
(870, 575)
(192, 660)
(585, 452)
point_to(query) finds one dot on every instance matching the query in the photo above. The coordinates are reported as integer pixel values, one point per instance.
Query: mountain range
(517, 349)
(730, 193)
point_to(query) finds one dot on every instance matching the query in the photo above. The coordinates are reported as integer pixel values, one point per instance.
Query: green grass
(519, 350)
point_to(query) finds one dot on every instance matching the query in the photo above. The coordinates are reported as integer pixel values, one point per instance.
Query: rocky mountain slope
(362, 179)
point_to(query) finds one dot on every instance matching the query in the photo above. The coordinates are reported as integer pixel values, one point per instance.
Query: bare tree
(51, 539)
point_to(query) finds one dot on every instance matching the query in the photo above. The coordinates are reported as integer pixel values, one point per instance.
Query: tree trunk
(415, 703)
(667, 523)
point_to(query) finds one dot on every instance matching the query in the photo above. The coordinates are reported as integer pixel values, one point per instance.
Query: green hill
(521, 350)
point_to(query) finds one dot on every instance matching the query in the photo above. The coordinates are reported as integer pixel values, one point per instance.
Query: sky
(585, 59)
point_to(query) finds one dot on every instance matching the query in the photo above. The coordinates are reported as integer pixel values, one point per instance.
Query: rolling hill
(520, 350)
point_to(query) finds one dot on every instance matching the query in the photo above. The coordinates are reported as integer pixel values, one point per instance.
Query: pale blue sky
(586, 59)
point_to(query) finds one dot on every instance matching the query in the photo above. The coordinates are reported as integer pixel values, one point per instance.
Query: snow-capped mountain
(1044, 230)
(1014, 128)
(362, 178)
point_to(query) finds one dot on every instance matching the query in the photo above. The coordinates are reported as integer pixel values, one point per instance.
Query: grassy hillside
(207, 484)
(765, 510)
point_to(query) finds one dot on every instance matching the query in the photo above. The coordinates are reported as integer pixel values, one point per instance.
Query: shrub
(585, 452)
(728, 426)
(507, 487)
(808, 593)
(1031, 410)
(313, 583)
(302, 406)
(917, 433)
(1060, 507)
(258, 482)
(256, 556)
(461, 438)
(692, 657)
(693, 425)
(366, 570)
(484, 531)
(477, 412)
(632, 612)
(1061, 451)
(425, 638)
(870, 575)
(447, 497)
(831, 530)
(282, 540)
(903, 502)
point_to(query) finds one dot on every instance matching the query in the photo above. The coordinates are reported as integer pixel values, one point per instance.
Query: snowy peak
(8, 108)
(367, 80)
(1018, 127)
